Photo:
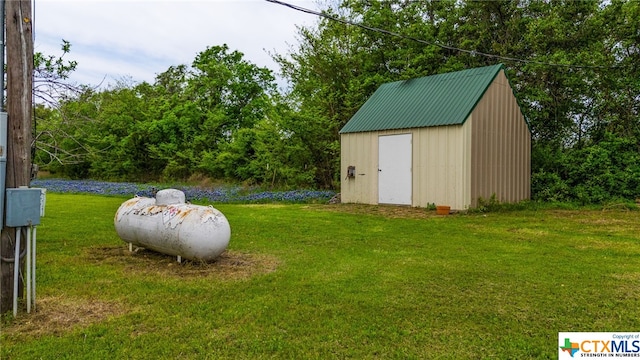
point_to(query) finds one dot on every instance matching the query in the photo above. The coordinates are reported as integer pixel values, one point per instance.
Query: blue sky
(137, 39)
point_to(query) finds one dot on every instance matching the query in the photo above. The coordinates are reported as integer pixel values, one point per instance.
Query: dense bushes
(594, 173)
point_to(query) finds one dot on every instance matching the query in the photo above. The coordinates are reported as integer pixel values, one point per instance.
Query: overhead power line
(443, 46)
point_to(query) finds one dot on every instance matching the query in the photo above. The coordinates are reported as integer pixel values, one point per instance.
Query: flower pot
(443, 210)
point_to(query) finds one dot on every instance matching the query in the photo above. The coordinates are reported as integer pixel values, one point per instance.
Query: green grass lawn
(332, 281)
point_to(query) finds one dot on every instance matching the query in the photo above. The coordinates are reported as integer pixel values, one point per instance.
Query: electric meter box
(24, 206)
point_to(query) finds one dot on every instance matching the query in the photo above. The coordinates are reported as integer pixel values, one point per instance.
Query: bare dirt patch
(389, 211)
(230, 265)
(57, 315)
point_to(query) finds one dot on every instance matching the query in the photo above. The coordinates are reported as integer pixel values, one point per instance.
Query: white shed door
(394, 169)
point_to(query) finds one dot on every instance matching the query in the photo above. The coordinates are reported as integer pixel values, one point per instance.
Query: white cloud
(139, 39)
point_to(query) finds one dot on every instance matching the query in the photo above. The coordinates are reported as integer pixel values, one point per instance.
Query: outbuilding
(448, 139)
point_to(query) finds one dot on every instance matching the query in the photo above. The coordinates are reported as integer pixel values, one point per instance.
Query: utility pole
(19, 50)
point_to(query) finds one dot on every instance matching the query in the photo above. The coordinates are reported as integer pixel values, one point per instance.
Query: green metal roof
(443, 99)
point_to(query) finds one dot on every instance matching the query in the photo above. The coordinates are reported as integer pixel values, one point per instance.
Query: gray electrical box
(24, 206)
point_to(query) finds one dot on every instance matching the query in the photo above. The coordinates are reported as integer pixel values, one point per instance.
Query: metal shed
(446, 139)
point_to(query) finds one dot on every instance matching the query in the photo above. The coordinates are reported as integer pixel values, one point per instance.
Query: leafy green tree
(225, 94)
(618, 105)
(283, 151)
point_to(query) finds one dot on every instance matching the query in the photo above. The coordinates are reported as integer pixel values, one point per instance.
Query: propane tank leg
(16, 267)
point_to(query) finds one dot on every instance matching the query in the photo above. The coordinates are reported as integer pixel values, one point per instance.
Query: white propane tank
(168, 225)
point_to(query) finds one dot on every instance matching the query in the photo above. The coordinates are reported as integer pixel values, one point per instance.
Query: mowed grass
(332, 281)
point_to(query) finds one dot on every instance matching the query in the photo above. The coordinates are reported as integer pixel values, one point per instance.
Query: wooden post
(19, 44)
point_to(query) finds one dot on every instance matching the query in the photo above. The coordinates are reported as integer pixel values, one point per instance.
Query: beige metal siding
(501, 146)
(440, 166)
(441, 171)
(359, 150)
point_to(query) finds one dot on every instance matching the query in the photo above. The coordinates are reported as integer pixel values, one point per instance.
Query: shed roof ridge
(471, 72)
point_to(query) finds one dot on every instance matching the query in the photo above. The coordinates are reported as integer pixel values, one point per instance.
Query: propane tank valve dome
(170, 197)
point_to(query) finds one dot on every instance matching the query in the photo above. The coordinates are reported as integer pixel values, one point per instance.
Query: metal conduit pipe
(30, 254)
(33, 263)
(28, 266)
(16, 268)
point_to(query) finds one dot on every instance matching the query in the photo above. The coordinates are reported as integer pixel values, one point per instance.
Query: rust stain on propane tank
(131, 203)
(149, 210)
(175, 213)
(183, 213)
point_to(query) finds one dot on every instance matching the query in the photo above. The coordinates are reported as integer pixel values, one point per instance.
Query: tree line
(572, 65)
